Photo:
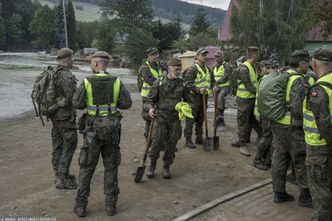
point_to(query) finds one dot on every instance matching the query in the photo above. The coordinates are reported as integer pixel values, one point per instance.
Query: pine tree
(60, 40)
(71, 26)
(2, 29)
(200, 23)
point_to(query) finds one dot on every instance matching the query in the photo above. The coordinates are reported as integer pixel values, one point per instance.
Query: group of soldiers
(302, 138)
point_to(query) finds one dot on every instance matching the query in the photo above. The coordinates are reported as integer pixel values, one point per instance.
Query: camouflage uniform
(144, 71)
(264, 145)
(164, 95)
(64, 135)
(197, 107)
(93, 146)
(245, 109)
(319, 158)
(288, 148)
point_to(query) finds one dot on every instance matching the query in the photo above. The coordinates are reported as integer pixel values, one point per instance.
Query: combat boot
(199, 140)
(80, 210)
(166, 172)
(67, 182)
(110, 202)
(305, 199)
(236, 144)
(260, 165)
(221, 124)
(189, 143)
(151, 169)
(244, 151)
(280, 197)
(110, 210)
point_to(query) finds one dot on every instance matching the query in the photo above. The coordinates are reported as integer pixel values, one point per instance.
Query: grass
(89, 13)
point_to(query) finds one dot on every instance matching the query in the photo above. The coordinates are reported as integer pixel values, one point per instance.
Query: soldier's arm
(189, 79)
(124, 101)
(297, 95)
(227, 75)
(153, 96)
(67, 82)
(319, 104)
(146, 74)
(213, 81)
(79, 98)
(186, 96)
(244, 77)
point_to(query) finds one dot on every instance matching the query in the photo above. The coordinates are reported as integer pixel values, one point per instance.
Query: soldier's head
(299, 60)
(322, 61)
(272, 66)
(201, 55)
(152, 54)
(99, 61)
(65, 57)
(262, 67)
(174, 68)
(219, 57)
(253, 54)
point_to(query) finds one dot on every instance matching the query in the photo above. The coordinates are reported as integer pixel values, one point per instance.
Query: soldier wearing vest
(245, 100)
(199, 80)
(222, 72)
(101, 95)
(163, 97)
(317, 120)
(288, 135)
(149, 72)
(64, 135)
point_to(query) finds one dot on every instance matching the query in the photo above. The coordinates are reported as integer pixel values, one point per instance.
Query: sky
(223, 4)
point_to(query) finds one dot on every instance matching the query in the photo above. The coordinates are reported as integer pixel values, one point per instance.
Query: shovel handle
(148, 140)
(215, 112)
(205, 116)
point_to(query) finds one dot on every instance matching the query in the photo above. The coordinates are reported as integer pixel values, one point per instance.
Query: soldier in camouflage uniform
(199, 80)
(102, 95)
(286, 148)
(164, 95)
(64, 135)
(318, 136)
(149, 72)
(222, 72)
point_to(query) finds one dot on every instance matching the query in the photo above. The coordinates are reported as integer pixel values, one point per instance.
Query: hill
(163, 9)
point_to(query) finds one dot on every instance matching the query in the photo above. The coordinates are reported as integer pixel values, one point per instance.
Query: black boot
(110, 205)
(189, 143)
(305, 199)
(259, 164)
(66, 182)
(151, 169)
(280, 197)
(199, 140)
(80, 209)
(166, 172)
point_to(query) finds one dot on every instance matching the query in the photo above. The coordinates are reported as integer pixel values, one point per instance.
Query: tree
(200, 23)
(2, 29)
(133, 14)
(43, 27)
(15, 31)
(71, 26)
(321, 16)
(60, 40)
(105, 36)
(87, 31)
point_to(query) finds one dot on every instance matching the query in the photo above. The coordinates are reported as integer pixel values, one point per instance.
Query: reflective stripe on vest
(156, 74)
(311, 132)
(242, 92)
(203, 79)
(219, 72)
(105, 108)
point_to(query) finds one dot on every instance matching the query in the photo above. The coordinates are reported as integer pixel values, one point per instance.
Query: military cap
(299, 55)
(201, 51)
(64, 52)
(174, 62)
(323, 54)
(152, 51)
(272, 63)
(101, 54)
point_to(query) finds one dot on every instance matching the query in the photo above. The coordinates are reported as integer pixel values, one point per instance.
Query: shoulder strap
(324, 83)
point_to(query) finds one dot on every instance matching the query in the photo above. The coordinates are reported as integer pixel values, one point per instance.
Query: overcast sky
(223, 4)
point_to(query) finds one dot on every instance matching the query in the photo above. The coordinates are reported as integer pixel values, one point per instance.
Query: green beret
(64, 52)
(323, 54)
(152, 51)
(101, 54)
(174, 62)
(299, 55)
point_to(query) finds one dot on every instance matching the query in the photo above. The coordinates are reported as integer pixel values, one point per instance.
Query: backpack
(233, 81)
(271, 97)
(44, 93)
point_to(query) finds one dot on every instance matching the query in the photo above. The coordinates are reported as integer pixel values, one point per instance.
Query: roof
(315, 35)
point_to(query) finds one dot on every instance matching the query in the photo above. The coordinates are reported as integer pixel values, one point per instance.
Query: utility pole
(65, 22)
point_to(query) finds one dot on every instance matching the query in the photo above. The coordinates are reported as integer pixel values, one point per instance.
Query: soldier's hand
(152, 113)
(216, 90)
(203, 90)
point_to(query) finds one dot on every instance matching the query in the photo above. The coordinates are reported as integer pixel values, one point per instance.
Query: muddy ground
(27, 188)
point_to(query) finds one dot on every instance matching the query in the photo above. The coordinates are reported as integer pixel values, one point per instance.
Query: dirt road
(27, 188)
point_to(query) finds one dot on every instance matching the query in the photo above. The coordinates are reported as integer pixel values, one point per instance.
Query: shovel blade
(215, 141)
(139, 174)
(208, 144)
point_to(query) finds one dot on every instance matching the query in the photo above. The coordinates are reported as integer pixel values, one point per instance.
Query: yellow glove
(184, 110)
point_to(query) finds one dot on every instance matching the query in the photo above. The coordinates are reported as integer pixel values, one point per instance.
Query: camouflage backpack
(44, 93)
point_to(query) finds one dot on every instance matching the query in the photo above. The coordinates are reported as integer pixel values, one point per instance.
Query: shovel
(140, 170)
(208, 142)
(215, 139)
